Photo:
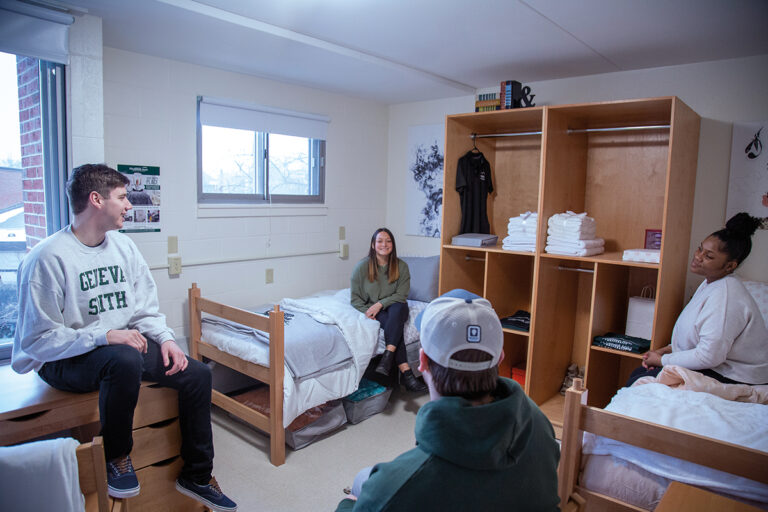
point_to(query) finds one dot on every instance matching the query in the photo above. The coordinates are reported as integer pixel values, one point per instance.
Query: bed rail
(273, 325)
(579, 418)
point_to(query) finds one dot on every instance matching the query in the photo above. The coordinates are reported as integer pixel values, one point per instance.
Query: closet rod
(575, 269)
(514, 134)
(579, 130)
(621, 128)
(473, 258)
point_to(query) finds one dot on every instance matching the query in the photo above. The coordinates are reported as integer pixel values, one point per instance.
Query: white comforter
(740, 423)
(359, 332)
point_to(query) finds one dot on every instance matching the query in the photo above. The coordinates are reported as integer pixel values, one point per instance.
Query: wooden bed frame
(92, 473)
(272, 375)
(579, 418)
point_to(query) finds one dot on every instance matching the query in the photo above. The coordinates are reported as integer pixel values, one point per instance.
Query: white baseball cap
(460, 320)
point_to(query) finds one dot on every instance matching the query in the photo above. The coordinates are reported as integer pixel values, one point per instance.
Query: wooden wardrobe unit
(629, 164)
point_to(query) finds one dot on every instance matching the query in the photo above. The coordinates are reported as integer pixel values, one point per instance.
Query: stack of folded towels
(573, 234)
(521, 233)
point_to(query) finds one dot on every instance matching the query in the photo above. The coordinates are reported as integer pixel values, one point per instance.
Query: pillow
(424, 276)
(757, 289)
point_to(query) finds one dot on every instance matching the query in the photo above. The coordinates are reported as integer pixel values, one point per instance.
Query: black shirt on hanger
(473, 183)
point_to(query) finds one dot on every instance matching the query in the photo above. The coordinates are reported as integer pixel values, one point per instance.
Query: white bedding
(740, 423)
(360, 333)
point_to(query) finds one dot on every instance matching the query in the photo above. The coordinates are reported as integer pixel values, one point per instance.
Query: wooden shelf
(516, 332)
(489, 248)
(621, 353)
(611, 258)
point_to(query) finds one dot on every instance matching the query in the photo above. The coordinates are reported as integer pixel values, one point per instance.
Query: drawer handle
(161, 424)
(166, 462)
(30, 416)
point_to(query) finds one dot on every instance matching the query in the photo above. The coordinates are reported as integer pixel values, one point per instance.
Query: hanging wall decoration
(748, 184)
(424, 184)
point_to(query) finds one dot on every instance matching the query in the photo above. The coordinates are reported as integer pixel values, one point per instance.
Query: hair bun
(743, 225)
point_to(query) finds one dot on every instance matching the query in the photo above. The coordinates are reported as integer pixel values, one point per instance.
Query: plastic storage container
(369, 399)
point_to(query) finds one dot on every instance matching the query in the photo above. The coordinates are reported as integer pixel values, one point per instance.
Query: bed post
(570, 447)
(194, 321)
(276, 374)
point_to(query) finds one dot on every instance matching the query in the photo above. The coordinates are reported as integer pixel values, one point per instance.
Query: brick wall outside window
(31, 149)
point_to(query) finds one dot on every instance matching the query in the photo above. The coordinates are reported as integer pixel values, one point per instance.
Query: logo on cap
(473, 334)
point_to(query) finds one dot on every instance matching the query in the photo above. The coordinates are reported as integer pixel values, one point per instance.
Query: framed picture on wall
(424, 184)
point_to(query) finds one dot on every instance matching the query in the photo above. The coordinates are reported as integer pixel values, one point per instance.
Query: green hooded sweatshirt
(499, 456)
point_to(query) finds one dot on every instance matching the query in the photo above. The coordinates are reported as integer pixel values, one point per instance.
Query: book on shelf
(486, 105)
(510, 94)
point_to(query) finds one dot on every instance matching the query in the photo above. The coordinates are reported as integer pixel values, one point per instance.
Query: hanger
(474, 145)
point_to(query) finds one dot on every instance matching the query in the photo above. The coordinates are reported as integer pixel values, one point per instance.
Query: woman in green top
(379, 288)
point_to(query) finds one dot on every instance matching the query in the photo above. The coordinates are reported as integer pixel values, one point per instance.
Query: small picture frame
(653, 239)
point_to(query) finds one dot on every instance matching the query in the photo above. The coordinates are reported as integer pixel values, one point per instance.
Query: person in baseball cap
(481, 443)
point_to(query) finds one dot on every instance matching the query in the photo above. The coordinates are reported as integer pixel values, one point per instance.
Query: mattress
(700, 413)
(631, 483)
(362, 336)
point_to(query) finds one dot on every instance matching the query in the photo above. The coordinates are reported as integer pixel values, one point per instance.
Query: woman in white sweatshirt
(721, 332)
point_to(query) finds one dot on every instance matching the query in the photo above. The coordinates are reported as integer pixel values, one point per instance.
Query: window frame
(261, 144)
(51, 77)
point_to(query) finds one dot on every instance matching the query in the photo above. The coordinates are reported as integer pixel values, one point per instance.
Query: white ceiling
(396, 51)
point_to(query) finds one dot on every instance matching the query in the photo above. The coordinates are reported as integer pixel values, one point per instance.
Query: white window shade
(244, 116)
(34, 31)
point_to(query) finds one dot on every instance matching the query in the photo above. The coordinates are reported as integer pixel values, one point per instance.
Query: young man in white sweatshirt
(89, 320)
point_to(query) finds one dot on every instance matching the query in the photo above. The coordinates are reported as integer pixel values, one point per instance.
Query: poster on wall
(748, 183)
(144, 195)
(424, 184)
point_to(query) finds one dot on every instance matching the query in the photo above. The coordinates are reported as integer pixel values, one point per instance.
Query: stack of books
(622, 342)
(509, 90)
(487, 102)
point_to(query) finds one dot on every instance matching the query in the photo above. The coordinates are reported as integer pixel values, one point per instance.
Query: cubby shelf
(518, 333)
(618, 352)
(577, 158)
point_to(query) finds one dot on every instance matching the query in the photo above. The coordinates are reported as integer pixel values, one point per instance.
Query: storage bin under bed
(369, 399)
(307, 428)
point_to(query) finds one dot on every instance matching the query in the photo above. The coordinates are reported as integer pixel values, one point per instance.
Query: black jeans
(116, 372)
(392, 320)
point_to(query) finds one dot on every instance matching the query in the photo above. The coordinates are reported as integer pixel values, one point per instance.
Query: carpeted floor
(312, 479)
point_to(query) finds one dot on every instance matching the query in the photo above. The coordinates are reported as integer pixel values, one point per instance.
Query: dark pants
(116, 372)
(641, 371)
(392, 321)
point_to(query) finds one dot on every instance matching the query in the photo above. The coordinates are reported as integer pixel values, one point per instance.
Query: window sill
(249, 210)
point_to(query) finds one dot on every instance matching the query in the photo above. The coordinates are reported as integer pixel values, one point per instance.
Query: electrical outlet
(342, 233)
(173, 244)
(269, 276)
(174, 266)
(343, 250)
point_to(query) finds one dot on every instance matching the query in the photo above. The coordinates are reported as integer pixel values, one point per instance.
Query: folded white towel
(519, 239)
(569, 251)
(585, 234)
(518, 233)
(519, 247)
(524, 218)
(570, 219)
(576, 244)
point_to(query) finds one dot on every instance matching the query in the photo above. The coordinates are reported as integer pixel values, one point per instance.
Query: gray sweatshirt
(70, 295)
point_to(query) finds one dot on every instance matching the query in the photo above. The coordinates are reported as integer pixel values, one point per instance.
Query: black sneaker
(121, 478)
(209, 494)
